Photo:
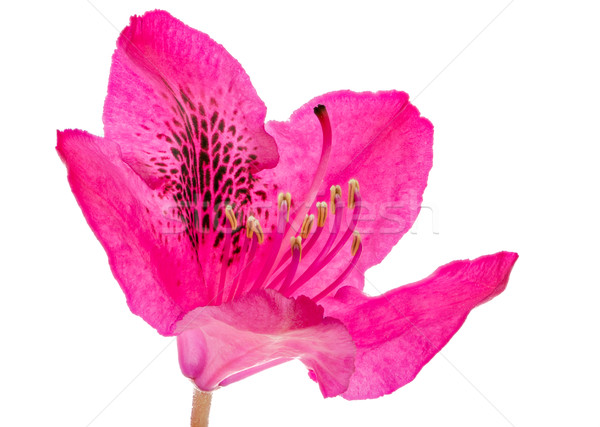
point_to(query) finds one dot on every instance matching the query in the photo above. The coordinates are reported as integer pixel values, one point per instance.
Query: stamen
(346, 235)
(249, 227)
(230, 215)
(287, 197)
(225, 257)
(322, 213)
(335, 190)
(356, 251)
(356, 242)
(352, 188)
(313, 240)
(253, 226)
(307, 225)
(296, 245)
(284, 211)
(259, 233)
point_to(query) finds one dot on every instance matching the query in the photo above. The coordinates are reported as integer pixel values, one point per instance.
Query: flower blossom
(249, 241)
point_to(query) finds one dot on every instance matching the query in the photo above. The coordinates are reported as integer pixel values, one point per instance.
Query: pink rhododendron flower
(248, 240)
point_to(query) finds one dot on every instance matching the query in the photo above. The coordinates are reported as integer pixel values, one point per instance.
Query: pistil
(323, 117)
(287, 263)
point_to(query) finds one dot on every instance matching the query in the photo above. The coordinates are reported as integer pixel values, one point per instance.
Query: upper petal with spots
(190, 124)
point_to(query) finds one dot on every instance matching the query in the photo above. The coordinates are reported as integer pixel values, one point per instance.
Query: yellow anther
(288, 198)
(259, 232)
(253, 226)
(321, 213)
(335, 190)
(352, 187)
(356, 239)
(231, 217)
(250, 226)
(296, 243)
(307, 225)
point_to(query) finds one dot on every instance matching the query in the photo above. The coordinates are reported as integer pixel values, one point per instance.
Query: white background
(516, 112)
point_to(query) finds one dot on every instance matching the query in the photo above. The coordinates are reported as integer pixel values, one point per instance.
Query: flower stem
(200, 408)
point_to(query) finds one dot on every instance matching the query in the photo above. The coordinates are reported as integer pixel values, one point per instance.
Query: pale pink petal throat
(220, 345)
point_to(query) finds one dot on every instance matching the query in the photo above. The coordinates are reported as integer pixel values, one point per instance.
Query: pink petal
(221, 345)
(379, 139)
(397, 333)
(125, 217)
(165, 72)
(190, 123)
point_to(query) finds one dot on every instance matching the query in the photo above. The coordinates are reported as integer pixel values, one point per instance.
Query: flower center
(278, 268)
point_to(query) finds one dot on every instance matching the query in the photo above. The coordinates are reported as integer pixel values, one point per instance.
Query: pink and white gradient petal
(221, 345)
